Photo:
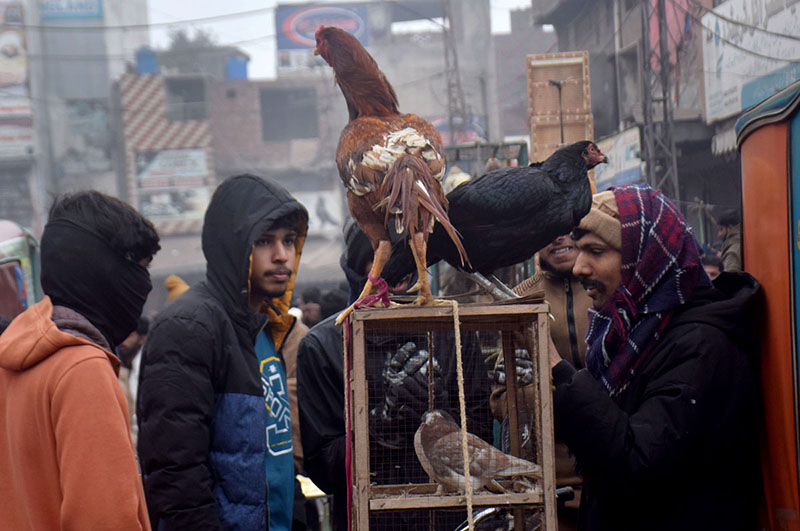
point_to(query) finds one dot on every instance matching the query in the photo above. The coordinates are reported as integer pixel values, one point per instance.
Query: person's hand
(524, 369)
(405, 379)
(553, 353)
(405, 386)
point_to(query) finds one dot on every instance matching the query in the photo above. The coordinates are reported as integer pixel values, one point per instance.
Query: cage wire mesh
(408, 365)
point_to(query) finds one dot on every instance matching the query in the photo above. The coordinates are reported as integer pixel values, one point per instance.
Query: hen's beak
(316, 50)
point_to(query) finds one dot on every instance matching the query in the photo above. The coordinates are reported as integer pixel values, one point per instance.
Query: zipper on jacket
(573, 334)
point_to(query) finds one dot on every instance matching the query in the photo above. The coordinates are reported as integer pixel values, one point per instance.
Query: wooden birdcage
(504, 328)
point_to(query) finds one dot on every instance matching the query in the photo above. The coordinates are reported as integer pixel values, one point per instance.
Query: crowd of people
(227, 394)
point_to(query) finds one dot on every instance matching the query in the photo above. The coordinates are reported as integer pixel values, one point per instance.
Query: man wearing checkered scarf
(662, 420)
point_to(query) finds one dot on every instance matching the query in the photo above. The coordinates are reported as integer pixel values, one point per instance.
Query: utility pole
(660, 151)
(456, 108)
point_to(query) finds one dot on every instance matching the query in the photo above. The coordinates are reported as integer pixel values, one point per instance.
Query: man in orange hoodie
(66, 456)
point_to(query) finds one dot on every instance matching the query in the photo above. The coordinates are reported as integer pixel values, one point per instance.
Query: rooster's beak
(316, 50)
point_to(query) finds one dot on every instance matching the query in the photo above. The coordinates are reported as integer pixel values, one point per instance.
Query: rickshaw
(19, 264)
(768, 137)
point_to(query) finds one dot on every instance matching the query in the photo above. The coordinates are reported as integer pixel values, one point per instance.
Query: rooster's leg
(379, 260)
(419, 250)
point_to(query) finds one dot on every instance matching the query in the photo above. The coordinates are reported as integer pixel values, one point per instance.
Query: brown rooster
(391, 163)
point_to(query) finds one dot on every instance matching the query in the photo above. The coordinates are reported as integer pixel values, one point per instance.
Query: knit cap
(603, 219)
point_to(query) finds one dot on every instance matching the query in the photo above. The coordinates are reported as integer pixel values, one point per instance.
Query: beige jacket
(732, 249)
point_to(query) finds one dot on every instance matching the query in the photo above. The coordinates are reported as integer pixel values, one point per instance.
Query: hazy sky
(255, 33)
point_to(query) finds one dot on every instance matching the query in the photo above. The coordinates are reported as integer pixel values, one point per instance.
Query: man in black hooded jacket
(395, 409)
(662, 420)
(206, 441)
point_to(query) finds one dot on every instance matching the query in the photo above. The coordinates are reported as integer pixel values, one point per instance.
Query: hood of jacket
(42, 330)
(731, 305)
(242, 208)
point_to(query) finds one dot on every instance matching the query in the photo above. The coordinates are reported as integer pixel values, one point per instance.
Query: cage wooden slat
(546, 455)
(505, 313)
(360, 430)
(430, 501)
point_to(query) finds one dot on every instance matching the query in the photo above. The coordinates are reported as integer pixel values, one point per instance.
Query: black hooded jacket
(201, 432)
(320, 389)
(679, 450)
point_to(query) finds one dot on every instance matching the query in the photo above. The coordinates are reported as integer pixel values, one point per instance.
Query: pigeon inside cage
(407, 443)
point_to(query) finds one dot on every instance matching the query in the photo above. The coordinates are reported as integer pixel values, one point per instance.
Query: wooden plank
(545, 414)
(360, 456)
(429, 501)
(571, 70)
(508, 312)
(406, 489)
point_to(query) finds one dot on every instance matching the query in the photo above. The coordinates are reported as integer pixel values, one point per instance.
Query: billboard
(70, 9)
(88, 141)
(474, 130)
(325, 211)
(16, 139)
(624, 165)
(297, 24)
(14, 97)
(172, 183)
(739, 69)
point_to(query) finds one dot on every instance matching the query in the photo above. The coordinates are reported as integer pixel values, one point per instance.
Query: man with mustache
(662, 420)
(215, 436)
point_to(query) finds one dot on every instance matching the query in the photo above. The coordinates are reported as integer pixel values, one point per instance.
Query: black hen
(507, 215)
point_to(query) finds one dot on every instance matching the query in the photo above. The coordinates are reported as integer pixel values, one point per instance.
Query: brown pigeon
(438, 446)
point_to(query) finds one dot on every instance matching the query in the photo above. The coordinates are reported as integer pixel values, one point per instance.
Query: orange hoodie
(66, 457)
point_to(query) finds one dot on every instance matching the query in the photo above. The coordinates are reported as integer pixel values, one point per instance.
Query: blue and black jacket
(201, 430)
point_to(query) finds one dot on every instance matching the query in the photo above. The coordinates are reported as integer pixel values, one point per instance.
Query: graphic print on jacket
(279, 458)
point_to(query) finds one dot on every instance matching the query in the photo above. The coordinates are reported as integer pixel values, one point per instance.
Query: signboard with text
(624, 165)
(17, 139)
(325, 211)
(14, 96)
(172, 183)
(296, 26)
(70, 9)
(744, 65)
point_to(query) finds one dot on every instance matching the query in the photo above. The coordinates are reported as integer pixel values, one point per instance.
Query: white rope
(462, 405)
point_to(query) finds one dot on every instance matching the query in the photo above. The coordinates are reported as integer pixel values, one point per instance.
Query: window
(186, 99)
(288, 113)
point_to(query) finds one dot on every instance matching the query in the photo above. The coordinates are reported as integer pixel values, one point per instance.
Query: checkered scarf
(661, 270)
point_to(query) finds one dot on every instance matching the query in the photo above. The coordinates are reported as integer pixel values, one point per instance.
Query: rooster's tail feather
(410, 181)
